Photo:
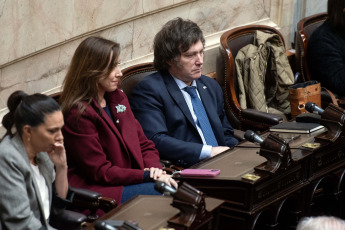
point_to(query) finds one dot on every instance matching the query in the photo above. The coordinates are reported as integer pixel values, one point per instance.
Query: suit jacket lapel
(45, 166)
(18, 143)
(109, 122)
(127, 123)
(177, 96)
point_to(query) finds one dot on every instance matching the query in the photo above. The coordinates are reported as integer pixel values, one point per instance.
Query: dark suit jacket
(20, 200)
(104, 156)
(161, 109)
(326, 58)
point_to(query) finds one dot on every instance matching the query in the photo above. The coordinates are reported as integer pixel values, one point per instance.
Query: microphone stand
(193, 213)
(277, 152)
(333, 118)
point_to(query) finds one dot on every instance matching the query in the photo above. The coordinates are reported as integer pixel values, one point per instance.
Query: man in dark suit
(180, 110)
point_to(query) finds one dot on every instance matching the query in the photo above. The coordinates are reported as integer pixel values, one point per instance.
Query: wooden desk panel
(295, 140)
(151, 212)
(237, 162)
(280, 198)
(275, 201)
(248, 195)
(242, 193)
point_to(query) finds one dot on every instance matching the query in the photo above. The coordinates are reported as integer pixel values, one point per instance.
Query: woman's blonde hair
(93, 60)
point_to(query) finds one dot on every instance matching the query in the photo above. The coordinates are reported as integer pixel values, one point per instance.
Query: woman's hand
(155, 172)
(159, 174)
(168, 180)
(58, 155)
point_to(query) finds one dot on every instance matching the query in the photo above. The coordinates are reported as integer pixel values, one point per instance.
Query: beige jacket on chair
(264, 75)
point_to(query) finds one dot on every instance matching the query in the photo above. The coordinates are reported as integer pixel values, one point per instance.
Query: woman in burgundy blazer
(107, 150)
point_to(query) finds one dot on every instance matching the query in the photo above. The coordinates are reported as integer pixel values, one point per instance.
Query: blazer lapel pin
(204, 87)
(120, 108)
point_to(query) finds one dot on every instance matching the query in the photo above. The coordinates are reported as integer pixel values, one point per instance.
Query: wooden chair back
(305, 29)
(230, 43)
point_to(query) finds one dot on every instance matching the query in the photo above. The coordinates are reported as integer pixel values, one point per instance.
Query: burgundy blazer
(103, 155)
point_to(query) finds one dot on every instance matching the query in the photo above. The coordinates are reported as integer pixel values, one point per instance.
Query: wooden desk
(151, 212)
(275, 201)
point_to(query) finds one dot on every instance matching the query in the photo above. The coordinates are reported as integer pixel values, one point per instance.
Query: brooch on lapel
(204, 87)
(120, 108)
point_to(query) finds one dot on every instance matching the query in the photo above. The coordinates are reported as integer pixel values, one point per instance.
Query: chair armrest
(85, 194)
(89, 200)
(107, 204)
(261, 117)
(68, 220)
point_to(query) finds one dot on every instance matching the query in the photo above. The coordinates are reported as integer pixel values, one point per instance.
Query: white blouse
(43, 188)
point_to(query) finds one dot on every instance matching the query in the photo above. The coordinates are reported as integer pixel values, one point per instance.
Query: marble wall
(306, 8)
(39, 37)
(315, 7)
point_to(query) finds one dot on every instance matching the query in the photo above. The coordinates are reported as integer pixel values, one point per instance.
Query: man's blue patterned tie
(201, 115)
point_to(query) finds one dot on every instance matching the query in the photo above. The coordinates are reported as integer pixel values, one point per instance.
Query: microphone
(104, 225)
(116, 224)
(253, 137)
(162, 187)
(313, 108)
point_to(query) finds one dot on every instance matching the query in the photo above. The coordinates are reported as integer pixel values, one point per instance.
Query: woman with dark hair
(31, 190)
(107, 150)
(326, 49)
